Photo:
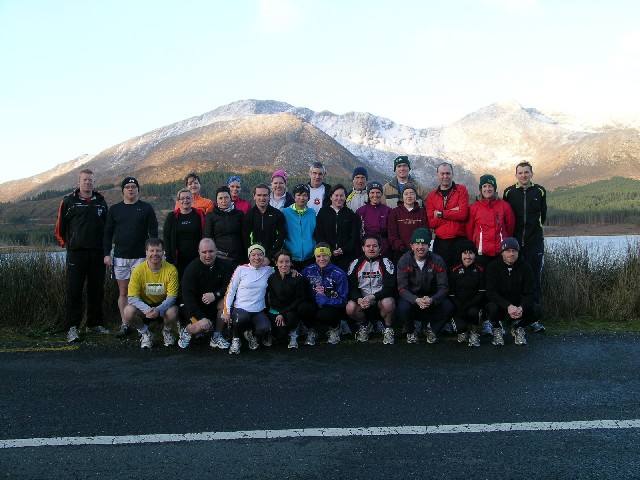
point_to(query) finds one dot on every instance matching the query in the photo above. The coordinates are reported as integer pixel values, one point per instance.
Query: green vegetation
(582, 290)
(603, 202)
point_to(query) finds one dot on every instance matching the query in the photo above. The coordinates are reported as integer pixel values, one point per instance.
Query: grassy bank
(582, 290)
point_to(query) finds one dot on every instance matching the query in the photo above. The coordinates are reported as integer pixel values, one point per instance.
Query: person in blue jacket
(300, 221)
(327, 295)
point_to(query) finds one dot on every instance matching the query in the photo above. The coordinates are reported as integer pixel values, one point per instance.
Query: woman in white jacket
(244, 302)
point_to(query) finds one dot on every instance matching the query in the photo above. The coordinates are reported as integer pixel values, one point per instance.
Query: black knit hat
(128, 180)
(401, 159)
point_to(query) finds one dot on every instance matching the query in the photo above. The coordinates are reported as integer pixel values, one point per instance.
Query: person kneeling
(511, 291)
(371, 285)
(423, 286)
(152, 293)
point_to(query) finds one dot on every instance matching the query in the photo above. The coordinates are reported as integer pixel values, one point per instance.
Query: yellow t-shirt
(153, 287)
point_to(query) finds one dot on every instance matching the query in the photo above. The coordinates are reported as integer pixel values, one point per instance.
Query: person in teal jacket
(301, 222)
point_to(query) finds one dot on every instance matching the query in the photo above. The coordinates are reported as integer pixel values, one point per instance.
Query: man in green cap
(424, 288)
(392, 190)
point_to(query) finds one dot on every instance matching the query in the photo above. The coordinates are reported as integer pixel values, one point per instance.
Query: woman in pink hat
(279, 198)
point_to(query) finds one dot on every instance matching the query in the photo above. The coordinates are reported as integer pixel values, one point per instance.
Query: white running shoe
(251, 338)
(146, 339)
(235, 346)
(388, 336)
(73, 335)
(167, 337)
(185, 338)
(293, 339)
(334, 335)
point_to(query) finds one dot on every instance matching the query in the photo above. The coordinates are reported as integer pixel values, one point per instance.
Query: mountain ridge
(265, 134)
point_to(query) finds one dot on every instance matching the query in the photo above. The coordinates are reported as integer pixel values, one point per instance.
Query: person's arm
(393, 232)
(108, 234)
(152, 222)
(509, 219)
(167, 236)
(352, 278)
(61, 224)
(247, 228)
(543, 206)
(442, 280)
(231, 291)
(281, 233)
(459, 211)
(405, 270)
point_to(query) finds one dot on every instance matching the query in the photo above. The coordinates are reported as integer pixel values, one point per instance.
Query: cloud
(279, 16)
(626, 58)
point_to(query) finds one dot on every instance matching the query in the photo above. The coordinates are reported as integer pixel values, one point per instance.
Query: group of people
(348, 259)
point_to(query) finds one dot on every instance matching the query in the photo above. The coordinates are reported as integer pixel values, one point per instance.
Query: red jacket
(490, 221)
(454, 213)
(402, 223)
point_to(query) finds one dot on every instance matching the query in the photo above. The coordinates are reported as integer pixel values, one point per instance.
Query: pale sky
(80, 76)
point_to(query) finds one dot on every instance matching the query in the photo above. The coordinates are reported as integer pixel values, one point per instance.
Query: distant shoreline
(597, 230)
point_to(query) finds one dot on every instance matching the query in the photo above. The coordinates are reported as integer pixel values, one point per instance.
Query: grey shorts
(122, 267)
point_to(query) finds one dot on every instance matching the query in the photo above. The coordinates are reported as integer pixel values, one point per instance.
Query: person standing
(280, 198)
(374, 216)
(153, 290)
(357, 197)
(182, 232)
(529, 203)
(203, 286)
(511, 292)
(224, 225)
(129, 224)
(235, 187)
(423, 286)
(490, 221)
(300, 224)
(264, 224)
(80, 230)
(392, 190)
(404, 220)
(339, 227)
(448, 210)
(192, 182)
(318, 190)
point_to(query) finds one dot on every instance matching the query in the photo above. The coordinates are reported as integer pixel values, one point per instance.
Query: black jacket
(267, 229)
(339, 229)
(226, 230)
(515, 285)
(467, 286)
(199, 279)
(530, 209)
(285, 294)
(80, 223)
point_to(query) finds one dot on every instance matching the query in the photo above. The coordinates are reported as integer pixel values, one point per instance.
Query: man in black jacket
(529, 204)
(204, 284)
(372, 283)
(264, 224)
(79, 229)
(511, 291)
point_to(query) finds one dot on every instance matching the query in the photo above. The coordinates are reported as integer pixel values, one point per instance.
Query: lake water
(612, 246)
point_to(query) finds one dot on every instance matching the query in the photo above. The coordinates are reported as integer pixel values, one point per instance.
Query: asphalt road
(118, 389)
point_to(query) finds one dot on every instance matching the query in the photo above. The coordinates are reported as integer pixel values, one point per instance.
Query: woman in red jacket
(491, 220)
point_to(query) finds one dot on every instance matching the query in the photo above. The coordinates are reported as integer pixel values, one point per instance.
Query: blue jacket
(299, 240)
(334, 281)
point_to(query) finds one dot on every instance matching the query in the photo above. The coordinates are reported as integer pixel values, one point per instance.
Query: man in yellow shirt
(152, 293)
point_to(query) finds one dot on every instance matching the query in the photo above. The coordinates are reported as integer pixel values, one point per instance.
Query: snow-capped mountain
(263, 134)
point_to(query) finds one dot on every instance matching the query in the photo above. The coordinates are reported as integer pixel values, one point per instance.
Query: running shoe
(146, 340)
(218, 341)
(312, 336)
(185, 338)
(388, 336)
(334, 335)
(498, 337)
(167, 337)
(474, 339)
(412, 338)
(293, 339)
(73, 335)
(518, 336)
(251, 338)
(235, 346)
(123, 330)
